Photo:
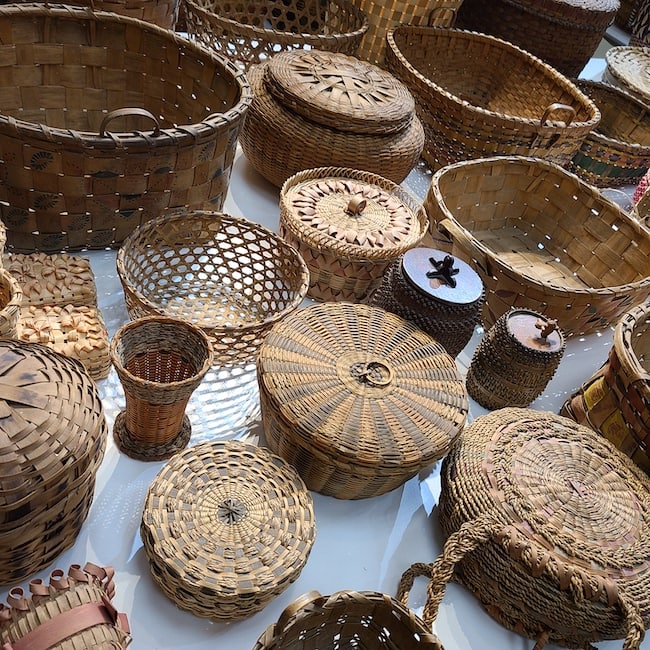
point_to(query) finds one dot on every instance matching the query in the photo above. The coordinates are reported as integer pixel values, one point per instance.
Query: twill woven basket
(107, 121)
(479, 96)
(507, 217)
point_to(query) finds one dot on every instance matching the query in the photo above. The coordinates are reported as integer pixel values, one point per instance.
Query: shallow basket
(508, 218)
(478, 96)
(627, 68)
(228, 275)
(106, 122)
(249, 33)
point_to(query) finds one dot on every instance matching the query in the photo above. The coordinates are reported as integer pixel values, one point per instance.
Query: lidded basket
(357, 399)
(348, 225)
(53, 440)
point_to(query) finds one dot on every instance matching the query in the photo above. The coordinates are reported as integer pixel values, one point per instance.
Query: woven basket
(70, 612)
(507, 217)
(227, 527)
(232, 277)
(626, 12)
(627, 68)
(615, 400)
(477, 96)
(250, 33)
(357, 399)
(11, 298)
(348, 226)
(546, 522)
(54, 436)
(617, 151)
(132, 120)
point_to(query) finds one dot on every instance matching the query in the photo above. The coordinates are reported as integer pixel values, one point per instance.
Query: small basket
(617, 151)
(227, 527)
(232, 277)
(615, 400)
(507, 217)
(11, 299)
(106, 122)
(71, 611)
(251, 33)
(627, 68)
(479, 96)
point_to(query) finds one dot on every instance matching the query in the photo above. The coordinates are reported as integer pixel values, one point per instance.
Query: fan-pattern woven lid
(340, 91)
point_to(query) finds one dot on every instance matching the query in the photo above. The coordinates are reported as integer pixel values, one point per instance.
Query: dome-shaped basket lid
(440, 276)
(582, 13)
(535, 331)
(356, 216)
(339, 91)
(230, 519)
(52, 424)
(363, 385)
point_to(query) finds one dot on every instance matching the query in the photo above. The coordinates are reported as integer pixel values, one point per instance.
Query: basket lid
(534, 331)
(339, 91)
(363, 386)
(630, 67)
(441, 276)
(582, 12)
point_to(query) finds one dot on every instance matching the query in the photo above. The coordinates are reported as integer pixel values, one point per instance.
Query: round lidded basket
(231, 277)
(305, 98)
(11, 299)
(227, 526)
(441, 295)
(357, 399)
(627, 69)
(54, 437)
(132, 120)
(73, 610)
(348, 225)
(546, 522)
(615, 400)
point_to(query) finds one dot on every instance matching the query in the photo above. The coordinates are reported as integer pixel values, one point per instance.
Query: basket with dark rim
(105, 122)
(627, 68)
(617, 151)
(250, 33)
(232, 277)
(507, 217)
(478, 96)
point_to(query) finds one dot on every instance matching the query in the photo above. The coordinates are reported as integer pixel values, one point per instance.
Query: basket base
(139, 451)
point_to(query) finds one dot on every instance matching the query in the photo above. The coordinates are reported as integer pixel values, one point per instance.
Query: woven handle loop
(127, 112)
(461, 238)
(293, 608)
(443, 16)
(375, 373)
(356, 206)
(552, 108)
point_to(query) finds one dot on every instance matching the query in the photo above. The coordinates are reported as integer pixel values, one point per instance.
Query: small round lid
(441, 276)
(339, 91)
(535, 331)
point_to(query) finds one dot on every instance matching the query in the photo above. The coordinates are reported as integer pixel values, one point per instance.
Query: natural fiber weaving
(11, 298)
(627, 68)
(227, 527)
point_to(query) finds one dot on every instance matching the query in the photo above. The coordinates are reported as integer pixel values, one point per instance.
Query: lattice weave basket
(626, 68)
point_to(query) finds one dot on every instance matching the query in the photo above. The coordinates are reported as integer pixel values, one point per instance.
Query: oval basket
(248, 33)
(478, 96)
(627, 68)
(117, 120)
(507, 217)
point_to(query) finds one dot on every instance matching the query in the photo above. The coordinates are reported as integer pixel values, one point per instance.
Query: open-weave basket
(508, 218)
(617, 151)
(107, 120)
(232, 277)
(69, 612)
(546, 522)
(615, 400)
(249, 33)
(477, 96)
(227, 526)
(11, 298)
(627, 68)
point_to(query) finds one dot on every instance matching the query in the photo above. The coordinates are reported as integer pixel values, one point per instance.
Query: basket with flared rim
(627, 68)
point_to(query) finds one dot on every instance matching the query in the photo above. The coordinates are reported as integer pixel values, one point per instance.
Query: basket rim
(623, 333)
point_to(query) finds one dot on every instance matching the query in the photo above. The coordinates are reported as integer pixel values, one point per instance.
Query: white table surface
(360, 545)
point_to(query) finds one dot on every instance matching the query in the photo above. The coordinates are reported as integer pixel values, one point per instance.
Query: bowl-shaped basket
(228, 275)
(627, 68)
(540, 238)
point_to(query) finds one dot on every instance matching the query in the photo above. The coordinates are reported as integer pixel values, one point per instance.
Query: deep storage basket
(546, 522)
(107, 120)
(627, 68)
(509, 218)
(617, 151)
(477, 96)
(54, 435)
(249, 33)
(227, 527)
(232, 277)
(615, 400)
(357, 399)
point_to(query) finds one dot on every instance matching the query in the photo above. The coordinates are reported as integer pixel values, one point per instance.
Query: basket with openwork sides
(227, 527)
(507, 217)
(231, 276)
(480, 96)
(627, 68)
(70, 611)
(107, 121)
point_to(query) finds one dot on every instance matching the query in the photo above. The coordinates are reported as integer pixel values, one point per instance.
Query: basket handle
(552, 108)
(294, 607)
(126, 112)
(455, 233)
(444, 15)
